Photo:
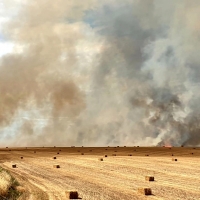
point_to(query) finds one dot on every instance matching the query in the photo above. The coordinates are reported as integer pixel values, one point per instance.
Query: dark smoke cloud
(102, 73)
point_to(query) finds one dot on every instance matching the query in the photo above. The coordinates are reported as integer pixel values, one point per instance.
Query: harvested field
(117, 177)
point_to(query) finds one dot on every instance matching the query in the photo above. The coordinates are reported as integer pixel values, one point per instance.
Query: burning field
(44, 174)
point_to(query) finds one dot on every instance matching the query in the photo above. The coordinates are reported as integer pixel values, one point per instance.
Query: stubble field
(115, 178)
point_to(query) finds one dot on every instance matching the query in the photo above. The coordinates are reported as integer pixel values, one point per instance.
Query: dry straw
(71, 194)
(145, 191)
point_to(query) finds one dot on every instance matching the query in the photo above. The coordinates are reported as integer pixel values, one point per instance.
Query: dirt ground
(116, 177)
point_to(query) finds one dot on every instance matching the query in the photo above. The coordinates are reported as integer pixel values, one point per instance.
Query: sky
(98, 73)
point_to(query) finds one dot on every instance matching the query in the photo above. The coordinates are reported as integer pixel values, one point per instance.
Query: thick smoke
(90, 73)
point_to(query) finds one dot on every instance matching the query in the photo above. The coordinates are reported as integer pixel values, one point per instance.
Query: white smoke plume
(100, 73)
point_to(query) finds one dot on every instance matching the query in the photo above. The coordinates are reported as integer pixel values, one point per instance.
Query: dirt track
(116, 177)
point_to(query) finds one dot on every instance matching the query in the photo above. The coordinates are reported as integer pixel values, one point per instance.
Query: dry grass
(5, 183)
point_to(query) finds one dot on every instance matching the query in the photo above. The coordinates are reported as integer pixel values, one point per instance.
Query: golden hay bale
(106, 156)
(56, 166)
(54, 157)
(113, 154)
(145, 191)
(149, 178)
(174, 159)
(100, 159)
(14, 166)
(71, 194)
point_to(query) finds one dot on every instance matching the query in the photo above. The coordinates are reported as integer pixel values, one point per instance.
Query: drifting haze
(93, 74)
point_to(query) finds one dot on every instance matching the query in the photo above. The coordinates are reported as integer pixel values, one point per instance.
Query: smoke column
(100, 73)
